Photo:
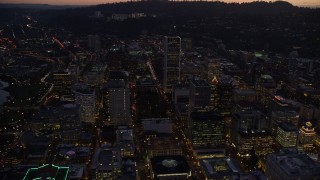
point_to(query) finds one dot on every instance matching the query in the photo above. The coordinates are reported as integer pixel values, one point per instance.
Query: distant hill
(38, 6)
(256, 25)
(188, 8)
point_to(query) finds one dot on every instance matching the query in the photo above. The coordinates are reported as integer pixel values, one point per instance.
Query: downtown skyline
(159, 89)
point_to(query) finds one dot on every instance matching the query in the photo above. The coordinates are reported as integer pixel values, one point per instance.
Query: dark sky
(93, 2)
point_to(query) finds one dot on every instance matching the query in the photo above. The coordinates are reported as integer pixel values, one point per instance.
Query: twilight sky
(93, 2)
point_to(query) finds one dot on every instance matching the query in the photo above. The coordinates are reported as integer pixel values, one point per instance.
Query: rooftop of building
(156, 121)
(244, 91)
(37, 150)
(244, 114)
(180, 85)
(288, 126)
(162, 165)
(30, 137)
(219, 167)
(218, 152)
(47, 171)
(65, 112)
(182, 108)
(200, 83)
(61, 72)
(116, 84)
(266, 77)
(85, 91)
(145, 82)
(76, 171)
(205, 116)
(285, 113)
(295, 163)
(246, 104)
(161, 141)
(74, 152)
(252, 133)
(116, 75)
(105, 159)
(82, 88)
(226, 79)
(172, 37)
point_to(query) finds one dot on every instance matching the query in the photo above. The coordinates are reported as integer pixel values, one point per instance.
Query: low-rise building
(289, 164)
(169, 167)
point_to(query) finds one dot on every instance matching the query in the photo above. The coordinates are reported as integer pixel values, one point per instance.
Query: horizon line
(116, 2)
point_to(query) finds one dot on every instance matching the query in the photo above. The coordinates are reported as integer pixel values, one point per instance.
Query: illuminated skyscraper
(287, 135)
(214, 69)
(61, 83)
(225, 95)
(283, 116)
(207, 130)
(214, 92)
(249, 130)
(306, 136)
(265, 87)
(171, 65)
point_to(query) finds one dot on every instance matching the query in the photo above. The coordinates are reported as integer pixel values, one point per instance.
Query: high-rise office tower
(246, 121)
(118, 98)
(287, 135)
(244, 99)
(265, 87)
(61, 83)
(307, 134)
(171, 65)
(214, 69)
(207, 130)
(249, 130)
(74, 70)
(180, 97)
(106, 164)
(86, 98)
(200, 92)
(214, 93)
(283, 116)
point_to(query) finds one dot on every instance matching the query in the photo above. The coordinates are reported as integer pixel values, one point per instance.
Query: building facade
(118, 102)
(86, 98)
(207, 130)
(287, 135)
(171, 65)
